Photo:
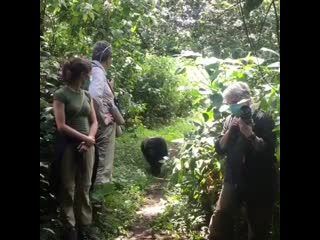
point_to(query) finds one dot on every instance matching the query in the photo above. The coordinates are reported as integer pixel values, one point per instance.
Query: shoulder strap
(110, 87)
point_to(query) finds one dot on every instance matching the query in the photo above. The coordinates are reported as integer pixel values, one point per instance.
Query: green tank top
(72, 100)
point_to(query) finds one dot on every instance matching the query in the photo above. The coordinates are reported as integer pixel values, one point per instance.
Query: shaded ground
(153, 206)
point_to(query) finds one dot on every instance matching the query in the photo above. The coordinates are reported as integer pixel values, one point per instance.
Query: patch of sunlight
(153, 209)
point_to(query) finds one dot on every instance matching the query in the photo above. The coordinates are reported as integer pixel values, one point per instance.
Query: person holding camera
(101, 90)
(250, 177)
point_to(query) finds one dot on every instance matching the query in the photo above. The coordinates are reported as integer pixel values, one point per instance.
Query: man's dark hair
(102, 51)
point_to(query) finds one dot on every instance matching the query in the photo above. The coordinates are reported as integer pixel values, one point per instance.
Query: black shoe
(70, 234)
(87, 233)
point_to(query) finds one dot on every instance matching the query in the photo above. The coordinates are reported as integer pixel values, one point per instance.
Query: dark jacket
(250, 164)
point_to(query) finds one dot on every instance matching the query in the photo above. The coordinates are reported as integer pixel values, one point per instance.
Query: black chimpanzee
(154, 149)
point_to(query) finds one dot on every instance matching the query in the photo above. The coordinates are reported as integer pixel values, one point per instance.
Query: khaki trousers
(105, 142)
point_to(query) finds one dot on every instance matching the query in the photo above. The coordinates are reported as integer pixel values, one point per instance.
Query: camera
(246, 114)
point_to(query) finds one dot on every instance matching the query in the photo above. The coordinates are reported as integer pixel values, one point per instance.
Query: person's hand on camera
(234, 124)
(245, 129)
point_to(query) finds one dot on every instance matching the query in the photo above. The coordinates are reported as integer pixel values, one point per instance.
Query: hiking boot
(87, 233)
(70, 233)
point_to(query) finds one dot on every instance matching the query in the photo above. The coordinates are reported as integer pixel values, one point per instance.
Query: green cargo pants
(76, 173)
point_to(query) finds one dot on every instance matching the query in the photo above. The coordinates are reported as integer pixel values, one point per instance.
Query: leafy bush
(158, 90)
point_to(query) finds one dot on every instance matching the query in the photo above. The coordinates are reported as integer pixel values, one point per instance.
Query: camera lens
(245, 114)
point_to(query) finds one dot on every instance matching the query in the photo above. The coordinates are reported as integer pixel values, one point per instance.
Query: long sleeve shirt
(100, 91)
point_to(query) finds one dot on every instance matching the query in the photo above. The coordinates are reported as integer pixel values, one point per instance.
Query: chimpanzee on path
(154, 149)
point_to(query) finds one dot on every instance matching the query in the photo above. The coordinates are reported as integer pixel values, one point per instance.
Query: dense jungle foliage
(171, 62)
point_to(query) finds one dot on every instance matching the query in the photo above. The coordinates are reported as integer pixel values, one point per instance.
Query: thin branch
(265, 16)
(144, 43)
(263, 22)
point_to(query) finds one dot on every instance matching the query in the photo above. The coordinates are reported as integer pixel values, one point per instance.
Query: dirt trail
(152, 207)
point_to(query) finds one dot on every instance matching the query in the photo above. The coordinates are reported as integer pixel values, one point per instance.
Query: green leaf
(63, 3)
(190, 54)
(85, 17)
(264, 104)
(88, 6)
(278, 152)
(186, 165)
(269, 50)
(218, 165)
(238, 74)
(217, 100)
(134, 28)
(117, 33)
(91, 14)
(75, 20)
(256, 60)
(180, 70)
(178, 165)
(48, 109)
(209, 61)
(276, 129)
(56, 64)
(226, 4)
(208, 116)
(75, 13)
(274, 65)
(196, 101)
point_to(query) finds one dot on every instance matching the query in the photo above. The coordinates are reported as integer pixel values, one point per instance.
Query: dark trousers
(221, 225)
